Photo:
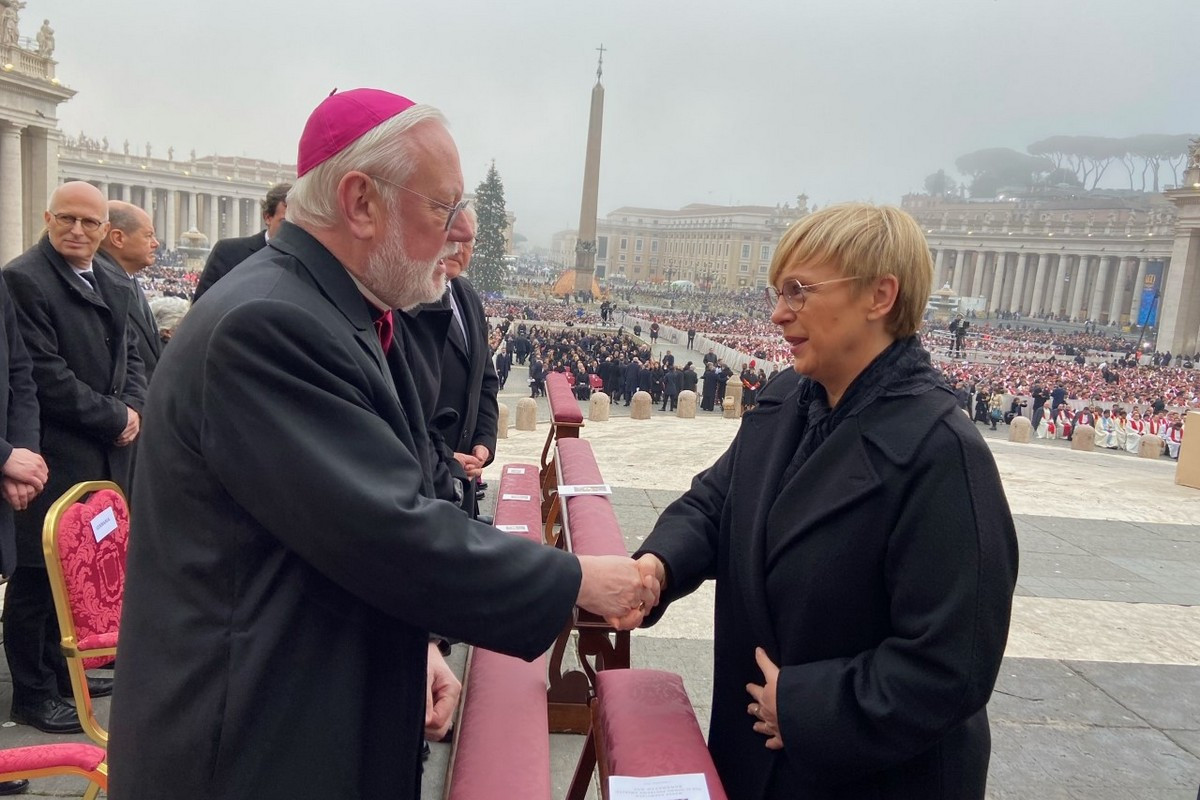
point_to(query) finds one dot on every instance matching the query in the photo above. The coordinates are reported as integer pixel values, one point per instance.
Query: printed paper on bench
(661, 787)
(571, 490)
(515, 497)
(513, 528)
(515, 471)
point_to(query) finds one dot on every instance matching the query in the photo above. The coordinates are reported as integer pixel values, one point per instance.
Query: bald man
(127, 249)
(74, 320)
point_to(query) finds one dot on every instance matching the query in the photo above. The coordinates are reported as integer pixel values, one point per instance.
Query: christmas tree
(487, 263)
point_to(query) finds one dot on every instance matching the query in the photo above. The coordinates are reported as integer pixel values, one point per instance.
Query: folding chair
(85, 543)
(45, 760)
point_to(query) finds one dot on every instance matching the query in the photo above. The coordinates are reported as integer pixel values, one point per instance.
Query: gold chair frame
(62, 606)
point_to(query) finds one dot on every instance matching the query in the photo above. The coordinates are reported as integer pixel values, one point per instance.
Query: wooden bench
(501, 741)
(587, 526)
(643, 725)
(566, 419)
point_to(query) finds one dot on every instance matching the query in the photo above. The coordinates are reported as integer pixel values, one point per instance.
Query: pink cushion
(94, 571)
(47, 756)
(648, 727)
(564, 407)
(503, 747)
(520, 512)
(591, 519)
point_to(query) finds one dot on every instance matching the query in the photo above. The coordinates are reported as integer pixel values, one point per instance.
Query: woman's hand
(763, 709)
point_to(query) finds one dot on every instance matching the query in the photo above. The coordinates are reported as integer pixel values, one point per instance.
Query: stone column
(103, 187)
(1098, 292)
(1039, 284)
(235, 217)
(172, 230)
(126, 192)
(193, 219)
(939, 269)
(1060, 284)
(1135, 305)
(42, 148)
(148, 204)
(1179, 313)
(997, 283)
(1081, 279)
(1017, 303)
(214, 219)
(1118, 293)
(977, 278)
(960, 267)
(12, 240)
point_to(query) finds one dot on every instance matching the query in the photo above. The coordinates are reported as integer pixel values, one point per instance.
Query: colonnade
(1070, 286)
(176, 211)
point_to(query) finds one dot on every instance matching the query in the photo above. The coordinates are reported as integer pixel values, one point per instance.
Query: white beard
(400, 281)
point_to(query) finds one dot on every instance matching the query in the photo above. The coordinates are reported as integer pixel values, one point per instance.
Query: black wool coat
(141, 323)
(87, 370)
(224, 256)
(878, 576)
(19, 424)
(287, 559)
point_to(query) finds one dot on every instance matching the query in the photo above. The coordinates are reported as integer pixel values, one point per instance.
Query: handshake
(620, 589)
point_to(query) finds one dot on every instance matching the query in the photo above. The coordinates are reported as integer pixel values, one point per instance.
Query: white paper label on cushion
(515, 470)
(513, 528)
(515, 497)
(692, 786)
(104, 523)
(584, 488)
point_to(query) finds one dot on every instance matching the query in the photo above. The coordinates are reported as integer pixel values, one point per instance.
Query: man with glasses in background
(90, 387)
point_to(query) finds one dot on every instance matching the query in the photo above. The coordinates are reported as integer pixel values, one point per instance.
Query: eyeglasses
(87, 223)
(794, 293)
(452, 210)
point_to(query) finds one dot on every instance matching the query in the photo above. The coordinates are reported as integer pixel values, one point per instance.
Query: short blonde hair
(865, 241)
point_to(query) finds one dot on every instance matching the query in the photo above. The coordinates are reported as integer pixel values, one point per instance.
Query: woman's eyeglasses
(794, 293)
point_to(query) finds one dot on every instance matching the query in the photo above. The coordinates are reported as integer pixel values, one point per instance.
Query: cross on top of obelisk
(600, 66)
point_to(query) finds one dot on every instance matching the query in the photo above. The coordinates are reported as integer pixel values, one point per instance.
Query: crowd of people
(168, 281)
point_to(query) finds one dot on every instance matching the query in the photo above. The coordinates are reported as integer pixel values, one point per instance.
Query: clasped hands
(25, 475)
(620, 589)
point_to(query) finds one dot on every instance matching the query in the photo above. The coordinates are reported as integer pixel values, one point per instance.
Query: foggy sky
(713, 102)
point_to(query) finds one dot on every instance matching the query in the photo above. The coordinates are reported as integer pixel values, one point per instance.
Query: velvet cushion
(563, 405)
(593, 523)
(648, 727)
(520, 512)
(94, 571)
(47, 756)
(503, 747)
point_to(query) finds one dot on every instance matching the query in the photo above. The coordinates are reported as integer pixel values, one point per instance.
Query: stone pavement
(1099, 694)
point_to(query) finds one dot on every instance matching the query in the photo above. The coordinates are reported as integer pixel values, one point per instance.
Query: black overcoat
(87, 370)
(287, 562)
(224, 256)
(141, 321)
(879, 576)
(19, 423)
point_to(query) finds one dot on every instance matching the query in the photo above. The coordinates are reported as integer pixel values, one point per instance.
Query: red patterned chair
(45, 760)
(643, 725)
(84, 541)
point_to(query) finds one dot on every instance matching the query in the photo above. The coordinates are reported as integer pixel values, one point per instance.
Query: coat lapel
(761, 462)
(838, 475)
(69, 277)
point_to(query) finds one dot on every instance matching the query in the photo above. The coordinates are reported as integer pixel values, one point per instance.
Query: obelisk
(585, 248)
(1179, 322)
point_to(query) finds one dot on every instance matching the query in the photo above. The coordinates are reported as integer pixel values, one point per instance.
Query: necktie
(384, 325)
(90, 277)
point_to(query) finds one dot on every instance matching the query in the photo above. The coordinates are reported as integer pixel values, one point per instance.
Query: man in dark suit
(453, 369)
(307, 545)
(228, 253)
(128, 249)
(24, 470)
(90, 387)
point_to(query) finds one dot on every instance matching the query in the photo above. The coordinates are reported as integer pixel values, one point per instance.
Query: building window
(622, 256)
(745, 251)
(764, 253)
(654, 245)
(624, 243)
(637, 245)
(602, 246)
(744, 268)
(762, 268)
(637, 259)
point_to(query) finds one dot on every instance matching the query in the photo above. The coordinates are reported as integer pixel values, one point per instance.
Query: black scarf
(903, 369)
